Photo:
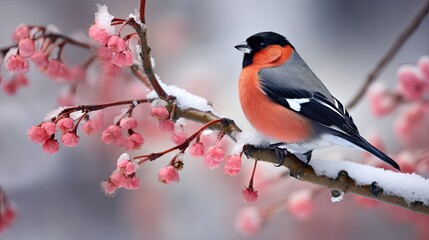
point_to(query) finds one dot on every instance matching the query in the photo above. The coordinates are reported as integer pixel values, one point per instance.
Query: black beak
(243, 47)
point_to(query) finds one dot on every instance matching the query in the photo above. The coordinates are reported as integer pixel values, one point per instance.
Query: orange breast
(266, 116)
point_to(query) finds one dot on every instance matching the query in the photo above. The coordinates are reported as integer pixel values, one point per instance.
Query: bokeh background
(58, 196)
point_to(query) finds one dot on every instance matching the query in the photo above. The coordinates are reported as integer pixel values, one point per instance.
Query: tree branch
(388, 56)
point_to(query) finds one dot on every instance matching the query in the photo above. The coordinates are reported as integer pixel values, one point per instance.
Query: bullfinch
(285, 101)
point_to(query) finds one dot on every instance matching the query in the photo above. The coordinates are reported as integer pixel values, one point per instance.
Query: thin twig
(408, 31)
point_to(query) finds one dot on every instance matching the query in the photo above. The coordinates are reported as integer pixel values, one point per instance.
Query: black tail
(362, 143)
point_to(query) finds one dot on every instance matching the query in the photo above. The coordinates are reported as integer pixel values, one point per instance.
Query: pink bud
(98, 35)
(76, 73)
(22, 31)
(65, 124)
(131, 168)
(37, 134)
(104, 54)
(7, 216)
(248, 221)
(51, 146)
(179, 137)
(10, 87)
(166, 125)
(249, 195)
(132, 183)
(116, 44)
(133, 142)
(123, 160)
(408, 121)
(122, 59)
(16, 63)
(214, 157)
(26, 47)
(49, 127)
(128, 123)
(233, 165)
(57, 70)
(90, 126)
(411, 86)
(20, 80)
(197, 149)
(159, 112)
(40, 59)
(70, 139)
(112, 133)
(111, 69)
(118, 179)
(300, 204)
(382, 101)
(168, 175)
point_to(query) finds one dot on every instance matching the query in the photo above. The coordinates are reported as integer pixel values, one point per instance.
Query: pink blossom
(248, 221)
(123, 160)
(70, 139)
(131, 168)
(26, 47)
(104, 54)
(22, 31)
(301, 205)
(233, 165)
(166, 125)
(57, 70)
(51, 146)
(382, 101)
(111, 134)
(40, 59)
(10, 87)
(423, 65)
(160, 113)
(118, 179)
(123, 59)
(168, 175)
(134, 141)
(249, 194)
(108, 188)
(197, 149)
(179, 137)
(132, 183)
(91, 126)
(214, 157)
(411, 85)
(128, 123)
(408, 121)
(98, 34)
(116, 44)
(65, 124)
(16, 63)
(37, 134)
(49, 127)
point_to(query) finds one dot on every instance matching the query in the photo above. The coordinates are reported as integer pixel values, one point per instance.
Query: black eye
(262, 44)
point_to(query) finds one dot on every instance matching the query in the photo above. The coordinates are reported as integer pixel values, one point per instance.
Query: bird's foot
(280, 153)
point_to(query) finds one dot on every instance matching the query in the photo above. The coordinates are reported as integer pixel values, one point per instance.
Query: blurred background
(58, 196)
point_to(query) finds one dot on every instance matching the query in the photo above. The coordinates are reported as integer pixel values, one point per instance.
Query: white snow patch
(185, 99)
(75, 115)
(411, 187)
(103, 19)
(123, 157)
(53, 113)
(249, 137)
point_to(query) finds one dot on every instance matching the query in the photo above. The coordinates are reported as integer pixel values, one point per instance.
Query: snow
(249, 137)
(103, 19)
(53, 113)
(411, 187)
(185, 99)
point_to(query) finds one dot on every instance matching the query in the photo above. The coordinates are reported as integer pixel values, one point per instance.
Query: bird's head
(258, 42)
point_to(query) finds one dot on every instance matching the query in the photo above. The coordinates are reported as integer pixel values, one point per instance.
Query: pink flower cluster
(114, 134)
(124, 176)
(45, 134)
(113, 52)
(168, 175)
(413, 85)
(162, 115)
(38, 50)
